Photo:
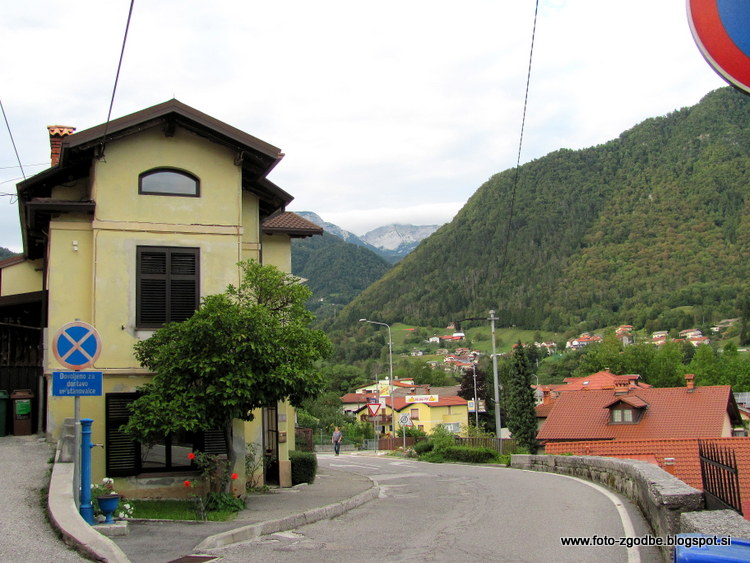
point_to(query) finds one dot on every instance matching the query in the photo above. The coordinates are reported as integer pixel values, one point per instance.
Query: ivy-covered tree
(244, 349)
(521, 415)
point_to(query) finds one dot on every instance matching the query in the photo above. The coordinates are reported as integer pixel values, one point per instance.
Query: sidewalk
(333, 493)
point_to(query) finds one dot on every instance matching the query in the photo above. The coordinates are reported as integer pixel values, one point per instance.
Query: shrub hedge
(304, 467)
(470, 455)
(423, 447)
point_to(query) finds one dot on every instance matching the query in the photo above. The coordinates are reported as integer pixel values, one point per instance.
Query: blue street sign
(77, 383)
(77, 345)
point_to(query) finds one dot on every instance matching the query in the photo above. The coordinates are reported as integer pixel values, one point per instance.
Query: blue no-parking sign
(77, 345)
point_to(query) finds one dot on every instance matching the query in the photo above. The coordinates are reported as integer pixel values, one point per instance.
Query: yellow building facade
(129, 228)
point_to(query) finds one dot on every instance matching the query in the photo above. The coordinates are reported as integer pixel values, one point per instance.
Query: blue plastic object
(86, 509)
(738, 550)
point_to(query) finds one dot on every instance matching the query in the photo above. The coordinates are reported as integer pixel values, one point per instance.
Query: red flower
(187, 483)
(234, 475)
(191, 455)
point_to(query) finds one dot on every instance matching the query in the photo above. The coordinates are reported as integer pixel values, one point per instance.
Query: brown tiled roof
(672, 412)
(678, 457)
(543, 410)
(291, 224)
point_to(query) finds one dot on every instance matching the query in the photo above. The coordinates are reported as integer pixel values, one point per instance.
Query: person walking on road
(336, 440)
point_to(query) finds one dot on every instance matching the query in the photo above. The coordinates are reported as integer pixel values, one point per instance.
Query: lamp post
(476, 401)
(498, 425)
(390, 369)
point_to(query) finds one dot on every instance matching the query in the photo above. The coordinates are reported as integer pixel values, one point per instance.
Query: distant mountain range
(391, 242)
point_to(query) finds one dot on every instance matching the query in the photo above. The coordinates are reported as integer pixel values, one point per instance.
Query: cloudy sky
(388, 112)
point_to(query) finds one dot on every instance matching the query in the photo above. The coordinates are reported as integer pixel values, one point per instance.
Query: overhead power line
(12, 141)
(117, 78)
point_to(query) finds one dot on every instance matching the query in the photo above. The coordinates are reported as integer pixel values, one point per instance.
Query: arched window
(167, 181)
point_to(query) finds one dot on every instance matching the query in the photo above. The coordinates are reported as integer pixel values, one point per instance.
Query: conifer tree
(521, 416)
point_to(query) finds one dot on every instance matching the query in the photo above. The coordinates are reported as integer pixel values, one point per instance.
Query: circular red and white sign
(721, 28)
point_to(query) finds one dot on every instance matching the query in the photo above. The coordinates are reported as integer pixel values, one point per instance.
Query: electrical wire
(117, 79)
(12, 141)
(517, 172)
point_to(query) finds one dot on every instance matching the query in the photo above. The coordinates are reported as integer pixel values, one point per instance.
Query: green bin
(3, 411)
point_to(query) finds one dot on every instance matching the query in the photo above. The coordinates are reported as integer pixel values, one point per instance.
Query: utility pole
(498, 425)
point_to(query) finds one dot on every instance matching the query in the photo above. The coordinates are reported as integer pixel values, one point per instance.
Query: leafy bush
(304, 467)
(433, 456)
(222, 501)
(423, 447)
(441, 438)
(470, 455)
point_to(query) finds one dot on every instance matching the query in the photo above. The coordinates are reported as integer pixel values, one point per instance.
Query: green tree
(244, 349)
(521, 416)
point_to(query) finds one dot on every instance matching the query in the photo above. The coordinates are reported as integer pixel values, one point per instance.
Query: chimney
(545, 395)
(621, 387)
(56, 134)
(689, 381)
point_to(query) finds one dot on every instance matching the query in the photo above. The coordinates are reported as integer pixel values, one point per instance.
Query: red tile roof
(678, 457)
(600, 380)
(672, 412)
(291, 224)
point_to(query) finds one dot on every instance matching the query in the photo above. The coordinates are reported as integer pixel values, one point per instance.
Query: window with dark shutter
(167, 285)
(125, 457)
(122, 453)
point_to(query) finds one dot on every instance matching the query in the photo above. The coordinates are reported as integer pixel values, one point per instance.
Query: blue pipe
(87, 509)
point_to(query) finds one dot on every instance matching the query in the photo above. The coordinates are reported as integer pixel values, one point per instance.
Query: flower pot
(108, 504)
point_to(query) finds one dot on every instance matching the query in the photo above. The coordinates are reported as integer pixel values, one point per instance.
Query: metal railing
(721, 480)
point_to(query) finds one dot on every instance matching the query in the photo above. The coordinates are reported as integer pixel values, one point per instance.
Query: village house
(582, 341)
(134, 222)
(643, 413)
(427, 406)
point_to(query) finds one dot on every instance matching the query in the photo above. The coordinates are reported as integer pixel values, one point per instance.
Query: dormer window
(622, 416)
(626, 410)
(168, 181)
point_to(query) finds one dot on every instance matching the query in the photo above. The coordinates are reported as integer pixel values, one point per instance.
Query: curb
(253, 531)
(75, 530)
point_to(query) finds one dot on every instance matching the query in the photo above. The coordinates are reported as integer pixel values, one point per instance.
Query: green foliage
(242, 350)
(336, 271)
(423, 447)
(441, 438)
(521, 416)
(304, 467)
(411, 432)
(630, 231)
(468, 454)
(221, 501)
(6, 253)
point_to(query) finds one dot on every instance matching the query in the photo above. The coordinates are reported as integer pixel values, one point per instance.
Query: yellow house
(131, 225)
(425, 412)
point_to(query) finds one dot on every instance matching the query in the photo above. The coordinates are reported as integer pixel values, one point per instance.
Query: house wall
(24, 277)
(277, 250)
(92, 261)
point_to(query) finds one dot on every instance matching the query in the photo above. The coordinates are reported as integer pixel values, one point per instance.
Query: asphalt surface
(25, 533)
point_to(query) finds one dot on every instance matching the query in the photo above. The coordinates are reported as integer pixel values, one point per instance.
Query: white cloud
(387, 112)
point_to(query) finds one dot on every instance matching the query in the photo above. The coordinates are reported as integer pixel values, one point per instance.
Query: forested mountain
(649, 227)
(336, 271)
(5, 253)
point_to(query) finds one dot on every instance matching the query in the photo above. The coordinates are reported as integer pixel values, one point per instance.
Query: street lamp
(390, 369)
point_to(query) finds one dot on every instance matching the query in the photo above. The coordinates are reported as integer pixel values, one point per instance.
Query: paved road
(25, 534)
(447, 512)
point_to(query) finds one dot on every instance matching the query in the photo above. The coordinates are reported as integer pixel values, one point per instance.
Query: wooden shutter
(121, 452)
(167, 285)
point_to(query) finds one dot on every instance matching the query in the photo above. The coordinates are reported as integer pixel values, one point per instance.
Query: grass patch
(161, 509)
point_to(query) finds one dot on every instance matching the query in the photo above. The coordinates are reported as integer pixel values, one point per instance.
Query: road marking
(358, 465)
(634, 554)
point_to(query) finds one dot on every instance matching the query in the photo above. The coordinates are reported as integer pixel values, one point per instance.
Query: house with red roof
(428, 408)
(643, 413)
